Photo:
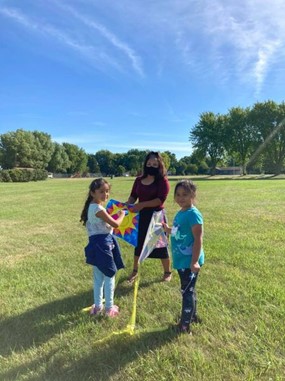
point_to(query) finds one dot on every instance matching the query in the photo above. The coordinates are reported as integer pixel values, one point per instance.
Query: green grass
(45, 284)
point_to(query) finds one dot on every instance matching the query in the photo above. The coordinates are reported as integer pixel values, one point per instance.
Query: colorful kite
(128, 230)
(155, 236)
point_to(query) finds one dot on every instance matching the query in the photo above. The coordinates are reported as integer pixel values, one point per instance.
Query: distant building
(228, 171)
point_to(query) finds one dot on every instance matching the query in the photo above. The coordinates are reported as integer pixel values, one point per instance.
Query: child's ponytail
(83, 217)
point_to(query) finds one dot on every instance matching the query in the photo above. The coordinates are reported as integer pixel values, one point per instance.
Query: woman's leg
(109, 289)
(188, 282)
(134, 273)
(166, 265)
(98, 283)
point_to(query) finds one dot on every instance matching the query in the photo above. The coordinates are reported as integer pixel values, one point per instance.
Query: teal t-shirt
(182, 238)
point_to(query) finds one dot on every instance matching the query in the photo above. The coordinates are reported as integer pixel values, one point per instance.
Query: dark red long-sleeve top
(158, 189)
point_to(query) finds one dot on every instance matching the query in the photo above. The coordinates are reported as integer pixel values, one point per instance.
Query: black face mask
(152, 171)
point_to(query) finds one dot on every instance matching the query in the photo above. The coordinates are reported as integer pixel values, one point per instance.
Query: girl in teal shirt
(187, 249)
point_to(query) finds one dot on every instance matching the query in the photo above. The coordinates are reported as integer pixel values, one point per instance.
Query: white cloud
(111, 37)
(139, 140)
(89, 51)
(222, 38)
(251, 34)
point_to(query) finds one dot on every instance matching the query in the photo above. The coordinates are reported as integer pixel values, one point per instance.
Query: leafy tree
(269, 118)
(93, 164)
(166, 159)
(186, 159)
(134, 161)
(207, 137)
(181, 168)
(42, 150)
(105, 160)
(120, 170)
(200, 161)
(192, 169)
(240, 136)
(173, 162)
(119, 159)
(203, 168)
(173, 159)
(25, 149)
(77, 157)
(59, 162)
(16, 149)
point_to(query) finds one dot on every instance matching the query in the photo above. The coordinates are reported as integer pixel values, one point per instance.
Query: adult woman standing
(151, 190)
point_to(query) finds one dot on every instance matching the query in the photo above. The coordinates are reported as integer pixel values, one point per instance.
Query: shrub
(23, 175)
(5, 176)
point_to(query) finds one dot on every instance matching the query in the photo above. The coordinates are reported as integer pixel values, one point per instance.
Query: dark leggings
(189, 299)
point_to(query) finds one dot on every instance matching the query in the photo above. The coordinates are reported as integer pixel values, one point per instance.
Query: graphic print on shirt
(182, 245)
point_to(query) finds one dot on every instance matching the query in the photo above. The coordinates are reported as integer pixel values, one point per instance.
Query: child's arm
(197, 231)
(110, 220)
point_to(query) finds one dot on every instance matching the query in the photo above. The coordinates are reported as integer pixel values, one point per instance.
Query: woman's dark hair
(96, 184)
(161, 166)
(188, 186)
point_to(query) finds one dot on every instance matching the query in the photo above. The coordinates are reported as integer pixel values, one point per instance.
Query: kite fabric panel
(155, 236)
(128, 230)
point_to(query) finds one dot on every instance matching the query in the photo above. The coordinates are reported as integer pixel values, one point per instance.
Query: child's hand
(166, 228)
(119, 213)
(195, 267)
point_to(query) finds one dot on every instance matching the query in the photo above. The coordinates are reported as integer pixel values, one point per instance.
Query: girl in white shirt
(102, 251)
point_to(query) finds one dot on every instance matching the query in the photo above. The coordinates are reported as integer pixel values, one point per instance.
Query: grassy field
(45, 284)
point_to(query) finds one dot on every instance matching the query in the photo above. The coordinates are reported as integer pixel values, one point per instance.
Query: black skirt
(144, 220)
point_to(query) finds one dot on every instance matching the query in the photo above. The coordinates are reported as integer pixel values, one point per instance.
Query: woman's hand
(137, 207)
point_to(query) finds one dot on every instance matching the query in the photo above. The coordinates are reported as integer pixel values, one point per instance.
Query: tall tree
(43, 149)
(166, 160)
(269, 119)
(240, 135)
(92, 164)
(173, 162)
(59, 162)
(105, 162)
(77, 157)
(207, 136)
(25, 149)
(134, 161)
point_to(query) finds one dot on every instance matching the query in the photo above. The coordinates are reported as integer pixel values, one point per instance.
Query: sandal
(167, 276)
(133, 276)
(96, 310)
(113, 311)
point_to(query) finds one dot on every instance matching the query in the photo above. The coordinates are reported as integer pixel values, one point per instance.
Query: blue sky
(117, 75)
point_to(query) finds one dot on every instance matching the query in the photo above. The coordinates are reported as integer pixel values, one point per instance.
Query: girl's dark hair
(96, 184)
(188, 186)
(161, 166)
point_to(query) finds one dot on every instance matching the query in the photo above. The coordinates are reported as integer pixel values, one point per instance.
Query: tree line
(253, 138)
(34, 149)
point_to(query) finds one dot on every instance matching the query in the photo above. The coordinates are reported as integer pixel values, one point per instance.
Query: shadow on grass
(36, 326)
(105, 358)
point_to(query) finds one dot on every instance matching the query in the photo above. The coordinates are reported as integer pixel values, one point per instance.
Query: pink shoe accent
(113, 311)
(96, 310)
